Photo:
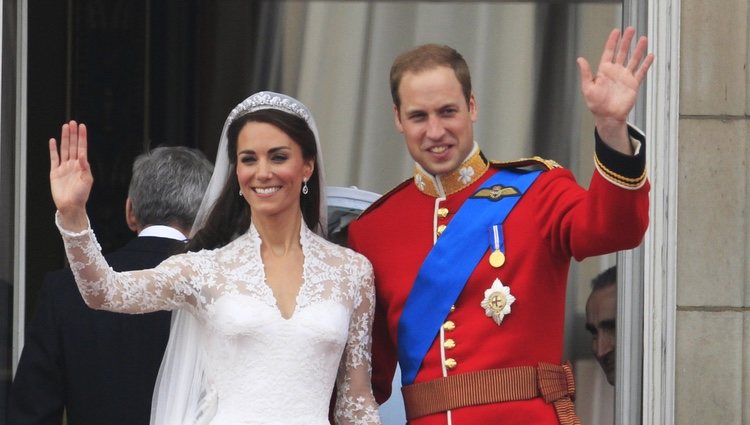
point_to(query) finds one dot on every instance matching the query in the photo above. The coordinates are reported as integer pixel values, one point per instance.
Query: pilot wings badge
(496, 192)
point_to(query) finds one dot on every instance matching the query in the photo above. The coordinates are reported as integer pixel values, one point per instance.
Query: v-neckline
(264, 280)
(276, 300)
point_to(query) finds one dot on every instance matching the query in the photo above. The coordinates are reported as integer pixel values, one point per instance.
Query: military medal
(497, 301)
(497, 258)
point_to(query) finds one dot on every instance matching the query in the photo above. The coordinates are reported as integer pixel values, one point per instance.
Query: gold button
(449, 325)
(442, 212)
(450, 363)
(441, 229)
(449, 344)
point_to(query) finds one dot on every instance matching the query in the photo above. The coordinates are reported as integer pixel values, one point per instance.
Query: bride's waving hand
(70, 175)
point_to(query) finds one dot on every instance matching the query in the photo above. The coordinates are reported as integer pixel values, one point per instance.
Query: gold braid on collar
(438, 186)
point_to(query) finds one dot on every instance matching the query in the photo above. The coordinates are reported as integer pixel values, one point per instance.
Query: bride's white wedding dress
(261, 367)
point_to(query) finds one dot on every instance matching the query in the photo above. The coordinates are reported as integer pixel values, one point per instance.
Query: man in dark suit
(97, 367)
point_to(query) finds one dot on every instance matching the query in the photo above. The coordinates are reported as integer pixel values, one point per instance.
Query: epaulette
(386, 196)
(534, 162)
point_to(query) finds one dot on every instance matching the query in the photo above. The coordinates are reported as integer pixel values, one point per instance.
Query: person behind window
(601, 317)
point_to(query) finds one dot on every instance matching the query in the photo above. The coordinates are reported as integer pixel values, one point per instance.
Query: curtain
(346, 51)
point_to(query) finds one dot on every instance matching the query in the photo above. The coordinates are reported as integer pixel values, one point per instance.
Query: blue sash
(449, 264)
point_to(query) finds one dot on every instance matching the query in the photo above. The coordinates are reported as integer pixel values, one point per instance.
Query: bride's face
(270, 169)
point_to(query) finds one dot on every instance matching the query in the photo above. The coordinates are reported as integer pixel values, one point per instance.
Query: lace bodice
(262, 368)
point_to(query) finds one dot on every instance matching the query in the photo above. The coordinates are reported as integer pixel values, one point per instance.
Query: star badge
(497, 301)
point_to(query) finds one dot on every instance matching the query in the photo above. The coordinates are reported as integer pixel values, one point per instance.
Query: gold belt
(553, 383)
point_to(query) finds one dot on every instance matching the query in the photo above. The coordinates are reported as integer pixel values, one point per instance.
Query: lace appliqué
(286, 366)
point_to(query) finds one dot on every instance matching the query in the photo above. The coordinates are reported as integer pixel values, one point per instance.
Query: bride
(269, 315)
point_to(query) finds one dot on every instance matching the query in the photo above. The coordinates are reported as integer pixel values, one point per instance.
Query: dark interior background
(139, 74)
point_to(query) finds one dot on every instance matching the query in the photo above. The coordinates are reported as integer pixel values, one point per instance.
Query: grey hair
(168, 185)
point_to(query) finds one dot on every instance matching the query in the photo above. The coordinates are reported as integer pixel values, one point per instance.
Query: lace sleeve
(355, 403)
(163, 288)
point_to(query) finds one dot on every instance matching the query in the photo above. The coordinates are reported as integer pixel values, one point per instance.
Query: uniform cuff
(626, 171)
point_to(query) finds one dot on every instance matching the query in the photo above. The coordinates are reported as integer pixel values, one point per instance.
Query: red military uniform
(555, 220)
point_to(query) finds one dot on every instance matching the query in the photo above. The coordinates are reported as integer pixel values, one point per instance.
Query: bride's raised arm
(163, 288)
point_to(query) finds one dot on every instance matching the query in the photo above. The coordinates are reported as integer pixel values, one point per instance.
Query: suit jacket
(555, 220)
(99, 366)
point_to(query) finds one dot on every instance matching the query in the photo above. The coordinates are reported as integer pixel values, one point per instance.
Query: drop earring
(304, 186)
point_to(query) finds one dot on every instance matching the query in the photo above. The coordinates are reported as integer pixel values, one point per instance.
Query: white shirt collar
(163, 232)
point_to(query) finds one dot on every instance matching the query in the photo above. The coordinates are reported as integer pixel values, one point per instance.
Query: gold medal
(497, 258)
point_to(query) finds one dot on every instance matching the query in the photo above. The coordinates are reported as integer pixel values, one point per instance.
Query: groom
(471, 256)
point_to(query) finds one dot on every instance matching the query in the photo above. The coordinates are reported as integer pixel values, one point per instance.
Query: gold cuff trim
(630, 183)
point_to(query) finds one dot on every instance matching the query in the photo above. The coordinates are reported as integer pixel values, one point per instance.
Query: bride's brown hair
(230, 215)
